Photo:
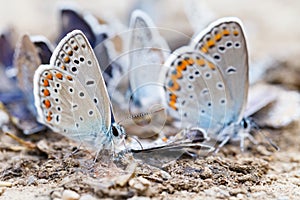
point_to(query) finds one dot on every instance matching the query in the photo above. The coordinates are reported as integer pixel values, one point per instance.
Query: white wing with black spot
(196, 94)
(70, 94)
(224, 41)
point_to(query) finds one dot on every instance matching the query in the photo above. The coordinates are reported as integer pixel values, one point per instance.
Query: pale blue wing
(70, 94)
(224, 41)
(195, 89)
(147, 51)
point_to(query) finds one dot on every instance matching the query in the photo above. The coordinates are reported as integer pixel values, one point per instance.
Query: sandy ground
(50, 169)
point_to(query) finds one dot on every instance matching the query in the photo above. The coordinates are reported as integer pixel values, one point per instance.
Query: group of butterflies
(202, 87)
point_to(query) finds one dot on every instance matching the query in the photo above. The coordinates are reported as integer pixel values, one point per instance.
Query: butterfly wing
(6, 48)
(26, 60)
(195, 90)
(199, 14)
(72, 19)
(148, 51)
(70, 94)
(224, 41)
(44, 48)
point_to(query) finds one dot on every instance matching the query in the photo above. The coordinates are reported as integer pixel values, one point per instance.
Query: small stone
(5, 184)
(140, 183)
(87, 197)
(2, 190)
(56, 194)
(31, 180)
(139, 198)
(42, 181)
(70, 195)
(236, 191)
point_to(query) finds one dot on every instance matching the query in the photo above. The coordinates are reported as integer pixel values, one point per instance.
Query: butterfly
(98, 34)
(207, 82)
(190, 142)
(72, 18)
(148, 51)
(31, 51)
(71, 97)
(8, 89)
(6, 48)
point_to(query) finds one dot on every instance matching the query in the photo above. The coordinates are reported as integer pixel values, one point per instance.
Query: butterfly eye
(115, 131)
(244, 124)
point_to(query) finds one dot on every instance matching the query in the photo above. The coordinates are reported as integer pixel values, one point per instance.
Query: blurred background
(272, 26)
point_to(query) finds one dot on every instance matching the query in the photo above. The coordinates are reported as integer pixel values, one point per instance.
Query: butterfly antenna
(123, 141)
(142, 148)
(139, 115)
(271, 142)
(268, 139)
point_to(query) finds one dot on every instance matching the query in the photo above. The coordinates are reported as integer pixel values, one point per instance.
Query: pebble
(139, 198)
(87, 197)
(165, 175)
(139, 183)
(56, 195)
(70, 195)
(31, 180)
(2, 190)
(5, 184)
(42, 181)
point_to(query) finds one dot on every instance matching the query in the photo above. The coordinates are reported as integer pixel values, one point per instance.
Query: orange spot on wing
(204, 50)
(49, 76)
(46, 92)
(201, 62)
(47, 103)
(210, 43)
(218, 37)
(236, 32)
(173, 97)
(67, 59)
(226, 32)
(49, 116)
(177, 75)
(172, 104)
(70, 53)
(190, 61)
(183, 65)
(211, 66)
(46, 83)
(63, 67)
(175, 86)
(69, 78)
(59, 76)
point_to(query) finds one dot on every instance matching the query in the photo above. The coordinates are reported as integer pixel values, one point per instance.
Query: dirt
(54, 165)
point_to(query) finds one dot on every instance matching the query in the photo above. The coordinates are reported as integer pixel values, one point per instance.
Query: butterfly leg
(252, 139)
(73, 152)
(225, 140)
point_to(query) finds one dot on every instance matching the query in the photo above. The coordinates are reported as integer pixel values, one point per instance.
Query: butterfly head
(118, 133)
